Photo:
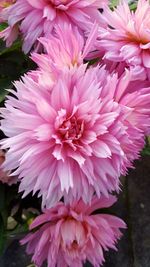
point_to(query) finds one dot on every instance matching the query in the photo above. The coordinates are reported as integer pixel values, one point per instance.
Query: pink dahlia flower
(64, 134)
(77, 133)
(127, 36)
(37, 18)
(65, 48)
(69, 235)
(133, 98)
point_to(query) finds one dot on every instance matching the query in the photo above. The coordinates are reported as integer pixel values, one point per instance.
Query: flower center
(7, 3)
(58, 2)
(75, 242)
(41, 4)
(135, 39)
(71, 129)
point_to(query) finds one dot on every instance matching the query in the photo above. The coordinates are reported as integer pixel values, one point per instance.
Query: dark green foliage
(13, 64)
(146, 150)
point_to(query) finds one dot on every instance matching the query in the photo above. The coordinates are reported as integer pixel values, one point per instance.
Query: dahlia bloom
(134, 99)
(4, 176)
(62, 134)
(69, 235)
(65, 48)
(62, 53)
(77, 133)
(127, 37)
(37, 18)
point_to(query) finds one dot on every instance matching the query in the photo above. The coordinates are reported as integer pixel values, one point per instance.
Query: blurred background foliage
(15, 214)
(13, 64)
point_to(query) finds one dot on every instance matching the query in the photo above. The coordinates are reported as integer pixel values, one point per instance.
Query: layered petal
(38, 18)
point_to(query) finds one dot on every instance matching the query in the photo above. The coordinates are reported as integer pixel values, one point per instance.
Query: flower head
(75, 134)
(65, 48)
(61, 134)
(37, 18)
(69, 235)
(126, 37)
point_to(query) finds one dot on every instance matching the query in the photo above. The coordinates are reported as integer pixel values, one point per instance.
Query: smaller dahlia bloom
(65, 48)
(135, 96)
(37, 18)
(61, 53)
(4, 176)
(69, 235)
(127, 37)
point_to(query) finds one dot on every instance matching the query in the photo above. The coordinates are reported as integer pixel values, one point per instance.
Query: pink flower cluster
(73, 127)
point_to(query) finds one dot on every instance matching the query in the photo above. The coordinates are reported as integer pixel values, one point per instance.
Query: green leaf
(146, 150)
(4, 83)
(3, 49)
(3, 26)
(15, 46)
(13, 64)
(133, 6)
(19, 231)
(113, 3)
